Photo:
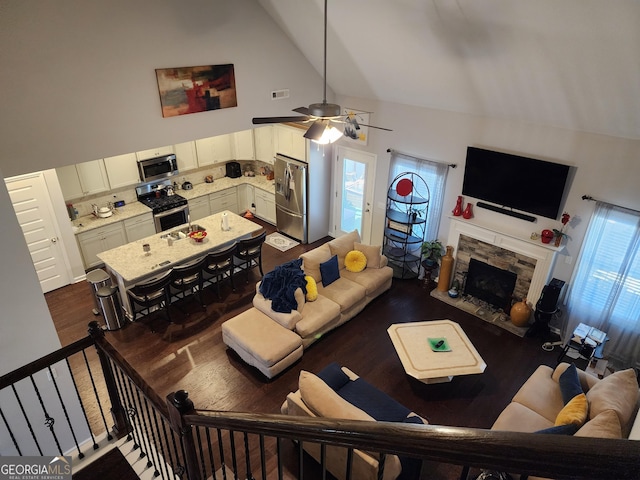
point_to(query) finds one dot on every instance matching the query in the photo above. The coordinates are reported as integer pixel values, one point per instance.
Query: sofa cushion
(603, 425)
(372, 279)
(312, 289)
(518, 418)
(342, 245)
(372, 252)
(355, 261)
(618, 392)
(329, 271)
(344, 292)
(318, 316)
(333, 376)
(325, 402)
(541, 394)
(574, 412)
(287, 320)
(312, 259)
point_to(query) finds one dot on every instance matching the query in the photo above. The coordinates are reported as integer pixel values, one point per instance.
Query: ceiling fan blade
(302, 110)
(260, 120)
(373, 126)
(315, 131)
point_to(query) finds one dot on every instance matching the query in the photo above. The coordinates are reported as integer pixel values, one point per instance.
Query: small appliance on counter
(234, 170)
(187, 185)
(102, 212)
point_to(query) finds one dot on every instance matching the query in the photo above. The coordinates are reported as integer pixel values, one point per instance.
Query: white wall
(82, 81)
(607, 167)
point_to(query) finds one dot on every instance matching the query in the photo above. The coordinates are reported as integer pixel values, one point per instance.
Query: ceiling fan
(324, 118)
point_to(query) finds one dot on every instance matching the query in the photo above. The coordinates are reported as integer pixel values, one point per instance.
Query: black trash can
(98, 278)
(110, 305)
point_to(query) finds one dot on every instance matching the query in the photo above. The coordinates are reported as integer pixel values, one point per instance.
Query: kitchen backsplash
(128, 194)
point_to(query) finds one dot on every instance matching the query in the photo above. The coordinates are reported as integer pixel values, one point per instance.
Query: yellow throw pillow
(312, 288)
(574, 412)
(355, 261)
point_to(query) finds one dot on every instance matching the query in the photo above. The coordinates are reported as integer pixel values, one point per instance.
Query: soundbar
(504, 211)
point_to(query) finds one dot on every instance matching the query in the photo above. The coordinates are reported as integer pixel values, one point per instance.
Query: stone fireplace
(531, 260)
(521, 265)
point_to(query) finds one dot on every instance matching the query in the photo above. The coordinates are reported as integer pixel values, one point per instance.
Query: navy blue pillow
(570, 384)
(568, 429)
(373, 401)
(333, 376)
(330, 271)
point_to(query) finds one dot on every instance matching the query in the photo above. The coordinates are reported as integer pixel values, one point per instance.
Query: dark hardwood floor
(190, 355)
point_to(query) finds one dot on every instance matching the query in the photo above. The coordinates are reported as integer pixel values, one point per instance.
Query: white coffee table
(419, 361)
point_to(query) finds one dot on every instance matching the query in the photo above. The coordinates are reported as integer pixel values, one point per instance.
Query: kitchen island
(130, 264)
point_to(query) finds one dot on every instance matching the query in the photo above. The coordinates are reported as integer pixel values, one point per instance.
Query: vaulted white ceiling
(571, 63)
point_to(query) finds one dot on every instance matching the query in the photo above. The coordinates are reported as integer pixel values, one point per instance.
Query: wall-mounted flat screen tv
(515, 182)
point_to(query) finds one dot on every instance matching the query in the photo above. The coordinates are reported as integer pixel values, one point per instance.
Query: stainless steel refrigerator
(290, 177)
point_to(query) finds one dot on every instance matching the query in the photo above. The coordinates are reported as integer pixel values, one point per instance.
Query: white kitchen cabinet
(265, 205)
(186, 156)
(290, 141)
(83, 179)
(214, 150)
(100, 240)
(263, 141)
(122, 170)
(224, 200)
(199, 208)
(243, 147)
(154, 152)
(245, 197)
(139, 227)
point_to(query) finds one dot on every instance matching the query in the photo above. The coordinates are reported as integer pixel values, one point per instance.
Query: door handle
(54, 240)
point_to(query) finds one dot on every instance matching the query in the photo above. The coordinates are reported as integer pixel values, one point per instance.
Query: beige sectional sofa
(612, 404)
(271, 341)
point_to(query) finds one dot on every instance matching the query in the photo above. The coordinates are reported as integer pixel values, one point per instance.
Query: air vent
(279, 94)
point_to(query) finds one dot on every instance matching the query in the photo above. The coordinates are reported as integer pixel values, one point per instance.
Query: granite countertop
(91, 222)
(131, 263)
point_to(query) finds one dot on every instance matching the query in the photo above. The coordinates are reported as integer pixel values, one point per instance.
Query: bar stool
(249, 253)
(219, 264)
(153, 293)
(188, 278)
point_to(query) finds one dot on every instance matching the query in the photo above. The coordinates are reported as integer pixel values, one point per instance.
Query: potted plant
(431, 252)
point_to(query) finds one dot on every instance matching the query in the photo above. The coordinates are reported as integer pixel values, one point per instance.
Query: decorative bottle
(520, 313)
(446, 268)
(468, 212)
(457, 211)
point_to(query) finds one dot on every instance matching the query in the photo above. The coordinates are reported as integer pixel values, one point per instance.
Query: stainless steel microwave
(158, 168)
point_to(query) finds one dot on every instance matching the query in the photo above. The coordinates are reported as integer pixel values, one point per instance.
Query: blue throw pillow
(570, 384)
(373, 401)
(333, 376)
(330, 271)
(568, 429)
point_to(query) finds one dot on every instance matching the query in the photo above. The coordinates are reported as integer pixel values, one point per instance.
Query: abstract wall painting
(355, 128)
(186, 90)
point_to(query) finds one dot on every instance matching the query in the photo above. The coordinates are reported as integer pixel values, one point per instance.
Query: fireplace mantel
(544, 254)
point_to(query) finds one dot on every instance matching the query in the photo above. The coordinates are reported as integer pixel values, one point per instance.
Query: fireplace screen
(490, 284)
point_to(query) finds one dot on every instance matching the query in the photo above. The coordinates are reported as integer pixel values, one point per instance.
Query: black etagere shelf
(407, 207)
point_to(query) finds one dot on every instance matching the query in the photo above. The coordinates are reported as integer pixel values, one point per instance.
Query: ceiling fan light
(330, 135)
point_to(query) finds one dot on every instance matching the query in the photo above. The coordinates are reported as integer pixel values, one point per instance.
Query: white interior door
(355, 177)
(30, 199)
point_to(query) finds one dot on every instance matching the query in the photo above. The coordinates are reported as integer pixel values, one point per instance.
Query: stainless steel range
(169, 209)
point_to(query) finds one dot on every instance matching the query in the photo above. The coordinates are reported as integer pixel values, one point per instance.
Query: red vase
(546, 236)
(468, 212)
(457, 211)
